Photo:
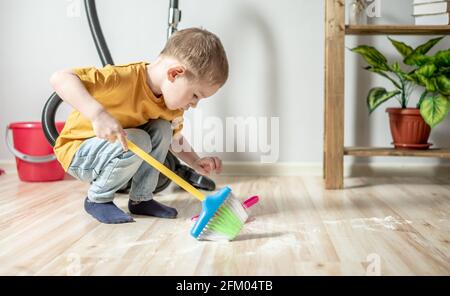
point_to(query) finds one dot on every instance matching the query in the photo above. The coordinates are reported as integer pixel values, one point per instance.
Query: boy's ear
(174, 71)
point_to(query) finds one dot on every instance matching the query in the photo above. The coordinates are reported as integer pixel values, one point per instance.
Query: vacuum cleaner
(52, 104)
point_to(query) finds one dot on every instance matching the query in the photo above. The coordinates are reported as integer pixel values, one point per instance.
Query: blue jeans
(108, 168)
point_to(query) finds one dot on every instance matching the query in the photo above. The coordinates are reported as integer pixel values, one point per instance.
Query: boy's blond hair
(202, 52)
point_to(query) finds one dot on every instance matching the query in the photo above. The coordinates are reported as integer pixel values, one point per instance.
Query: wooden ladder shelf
(334, 150)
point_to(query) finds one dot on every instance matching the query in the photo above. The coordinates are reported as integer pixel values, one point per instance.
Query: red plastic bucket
(35, 159)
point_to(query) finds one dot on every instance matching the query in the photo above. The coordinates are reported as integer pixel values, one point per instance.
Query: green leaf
(444, 70)
(384, 74)
(427, 70)
(396, 67)
(442, 58)
(379, 95)
(425, 76)
(443, 85)
(402, 48)
(434, 109)
(424, 48)
(428, 83)
(372, 56)
(417, 59)
(413, 77)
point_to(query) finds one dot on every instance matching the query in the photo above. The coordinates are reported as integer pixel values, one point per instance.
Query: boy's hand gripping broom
(222, 215)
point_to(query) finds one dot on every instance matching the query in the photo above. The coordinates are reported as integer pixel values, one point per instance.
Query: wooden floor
(387, 226)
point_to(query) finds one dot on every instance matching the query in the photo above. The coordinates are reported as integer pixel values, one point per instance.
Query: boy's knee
(163, 132)
(140, 137)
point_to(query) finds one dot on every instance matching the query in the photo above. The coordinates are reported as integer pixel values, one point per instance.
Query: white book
(432, 8)
(433, 19)
(425, 1)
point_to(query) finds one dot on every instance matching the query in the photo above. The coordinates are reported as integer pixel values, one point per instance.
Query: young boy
(141, 102)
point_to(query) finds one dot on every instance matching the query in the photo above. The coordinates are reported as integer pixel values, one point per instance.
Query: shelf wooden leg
(334, 94)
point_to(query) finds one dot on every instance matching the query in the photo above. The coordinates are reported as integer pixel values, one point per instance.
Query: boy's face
(180, 92)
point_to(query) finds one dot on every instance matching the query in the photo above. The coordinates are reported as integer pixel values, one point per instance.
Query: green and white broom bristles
(227, 223)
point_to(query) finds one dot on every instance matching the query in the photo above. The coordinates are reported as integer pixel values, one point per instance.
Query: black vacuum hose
(48, 118)
(97, 33)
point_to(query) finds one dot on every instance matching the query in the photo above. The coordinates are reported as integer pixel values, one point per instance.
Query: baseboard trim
(314, 169)
(350, 170)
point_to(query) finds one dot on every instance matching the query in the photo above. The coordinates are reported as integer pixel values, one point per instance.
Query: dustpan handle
(166, 171)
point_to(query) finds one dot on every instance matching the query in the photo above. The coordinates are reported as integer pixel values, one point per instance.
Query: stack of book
(432, 12)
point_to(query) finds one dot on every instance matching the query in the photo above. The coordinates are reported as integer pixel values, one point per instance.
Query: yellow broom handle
(166, 171)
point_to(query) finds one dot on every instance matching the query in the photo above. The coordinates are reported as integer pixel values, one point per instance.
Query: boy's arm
(203, 165)
(70, 88)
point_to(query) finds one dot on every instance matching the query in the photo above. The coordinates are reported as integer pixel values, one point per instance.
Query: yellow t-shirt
(125, 94)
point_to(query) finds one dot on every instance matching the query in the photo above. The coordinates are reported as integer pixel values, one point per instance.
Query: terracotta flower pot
(408, 129)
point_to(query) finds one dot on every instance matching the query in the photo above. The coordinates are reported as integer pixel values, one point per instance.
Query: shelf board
(396, 30)
(379, 151)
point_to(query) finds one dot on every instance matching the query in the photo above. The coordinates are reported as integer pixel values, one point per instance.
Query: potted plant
(410, 126)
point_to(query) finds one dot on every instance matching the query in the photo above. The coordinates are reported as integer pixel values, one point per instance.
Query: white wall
(275, 51)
